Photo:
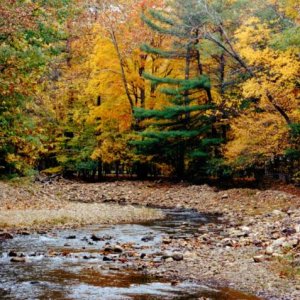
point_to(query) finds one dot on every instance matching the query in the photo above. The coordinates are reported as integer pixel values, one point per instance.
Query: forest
(184, 89)
(150, 149)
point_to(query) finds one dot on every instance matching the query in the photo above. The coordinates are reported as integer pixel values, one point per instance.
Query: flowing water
(68, 264)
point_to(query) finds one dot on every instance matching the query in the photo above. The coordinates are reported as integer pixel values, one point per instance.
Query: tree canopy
(181, 88)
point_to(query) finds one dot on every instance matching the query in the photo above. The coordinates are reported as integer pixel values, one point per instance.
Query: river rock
(278, 243)
(71, 237)
(147, 238)
(18, 259)
(96, 238)
(106, 258)
(157, 259)
(12, 253)
(297, 228)
(177, 256)
(24, 232)
(246, 229)
(6, 236)
(259, 258)
(118, 249)
(169, 259)
(269, 250)
(107, 237)
(166, 241)
(289, 231)
(166, 254)
(42, 232)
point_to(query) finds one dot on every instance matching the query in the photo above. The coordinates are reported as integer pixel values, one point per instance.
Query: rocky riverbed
(254, 246)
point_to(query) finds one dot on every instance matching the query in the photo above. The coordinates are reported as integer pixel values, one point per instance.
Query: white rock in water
(18, 259)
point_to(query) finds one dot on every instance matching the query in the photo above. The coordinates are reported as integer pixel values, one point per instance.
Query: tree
(28, 42)
(183, 128)
(116, 78)
(271, 89)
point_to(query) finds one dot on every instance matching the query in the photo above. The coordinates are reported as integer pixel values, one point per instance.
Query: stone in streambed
(166, 254)
(118, 249)
(71, 237)
(278, 243)
(42, 232)
(96, 238)
(114, 249)
(169, 259)
(89, 257)
(147, 238)
(177, 256)
(102, 238)
(6, 236)
(259, 258)
(166, 241)
(289, 231)
(157, 260)
(269, 250)
(12, 253)
(24, 232)
(18, 259)
(106, 258)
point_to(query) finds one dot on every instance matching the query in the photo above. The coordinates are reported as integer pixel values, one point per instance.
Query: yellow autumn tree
(272, 91)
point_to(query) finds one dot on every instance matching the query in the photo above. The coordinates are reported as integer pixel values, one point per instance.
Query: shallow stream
(70, 264)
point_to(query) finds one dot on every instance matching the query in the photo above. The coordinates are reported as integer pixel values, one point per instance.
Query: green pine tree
(183, 131)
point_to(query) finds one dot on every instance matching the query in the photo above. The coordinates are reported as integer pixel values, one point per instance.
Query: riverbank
(32, 207)
(253, 247)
